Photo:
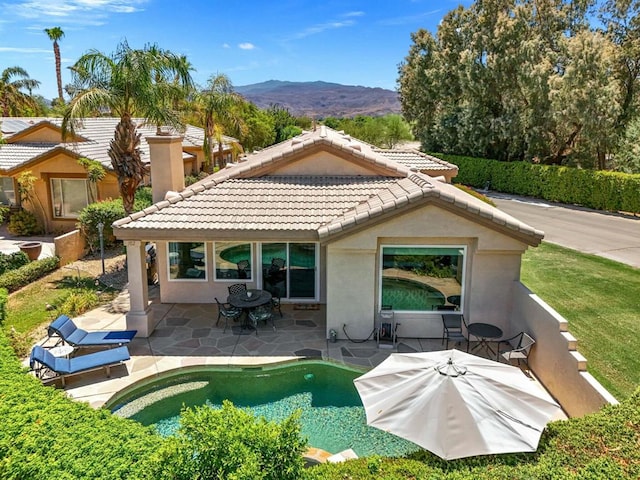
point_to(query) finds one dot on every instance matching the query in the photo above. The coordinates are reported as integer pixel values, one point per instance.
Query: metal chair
(452, 324)
(237, 288)
(228, 312)
(275, 299)
(243, 266)
(523, 344)
(263, 313)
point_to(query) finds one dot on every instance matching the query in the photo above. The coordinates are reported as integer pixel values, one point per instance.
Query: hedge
(46, 435)
(11, 261)
(15, 279)
(601, 190)
(4, 299)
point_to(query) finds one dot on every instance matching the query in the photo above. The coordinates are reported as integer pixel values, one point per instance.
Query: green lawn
(600, 299)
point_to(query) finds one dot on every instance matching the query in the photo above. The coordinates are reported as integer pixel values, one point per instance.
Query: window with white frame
(7, 191)
(70, 195)
(422, 278)
(233, 260)
(187, 261)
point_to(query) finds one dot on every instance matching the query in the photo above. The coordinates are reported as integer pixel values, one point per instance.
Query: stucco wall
(554, 359)
(322, 163)
(70, 247)
(62, 166)
(492, 265)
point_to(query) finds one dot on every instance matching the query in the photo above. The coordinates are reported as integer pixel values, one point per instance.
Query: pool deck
(186, 335)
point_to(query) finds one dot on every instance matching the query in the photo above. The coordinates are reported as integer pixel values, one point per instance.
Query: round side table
(61, 350)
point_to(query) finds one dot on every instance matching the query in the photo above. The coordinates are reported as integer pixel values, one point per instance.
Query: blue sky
(353, 42)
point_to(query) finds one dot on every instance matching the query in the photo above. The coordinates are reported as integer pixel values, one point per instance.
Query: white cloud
(24, 50)
(226, 45)
(246, 46)
(83, 12)
(410, 19)
(353, 14)
(322, 27)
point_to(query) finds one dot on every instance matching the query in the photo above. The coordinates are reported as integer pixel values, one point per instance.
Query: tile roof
(248, 197)
(416, 160)
(97, 131)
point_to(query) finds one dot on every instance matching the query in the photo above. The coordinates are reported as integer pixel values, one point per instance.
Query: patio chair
(237, 288)
(227, 312)
(44, 363)
(278, 263)
(68, 332)
(263, 313)
(242, 265)
(275, 300)
(452, 324)
(523, 344)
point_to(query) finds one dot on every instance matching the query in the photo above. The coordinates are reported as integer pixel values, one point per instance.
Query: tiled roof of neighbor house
(97, 131)
(247, 197)
(417, 160)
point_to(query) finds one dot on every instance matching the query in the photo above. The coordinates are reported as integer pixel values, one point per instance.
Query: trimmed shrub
(78, 302)
(11, 261)
(24, 223)
(15, 279)
(107, 212)
(601, 190)
(230, 443)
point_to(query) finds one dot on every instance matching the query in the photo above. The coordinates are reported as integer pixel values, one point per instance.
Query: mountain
(322, 99)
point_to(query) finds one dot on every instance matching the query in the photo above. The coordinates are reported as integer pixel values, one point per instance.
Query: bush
(78, 302)
(24, 223)
(15, 279)
(230, 443)
(4, 213)
(4, 298)
(11, 261)
(107, 212)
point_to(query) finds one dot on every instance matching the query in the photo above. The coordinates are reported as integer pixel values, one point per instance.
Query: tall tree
(130, 82)
(56, 34)
(14, 101)
(220, 110)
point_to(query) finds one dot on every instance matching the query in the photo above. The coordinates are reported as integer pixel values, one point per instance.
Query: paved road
(612, 236)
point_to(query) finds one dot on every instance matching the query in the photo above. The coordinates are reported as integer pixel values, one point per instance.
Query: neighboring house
(62, 189)
(325, 218)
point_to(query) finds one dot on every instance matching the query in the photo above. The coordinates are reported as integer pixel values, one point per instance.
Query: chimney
(167, 166)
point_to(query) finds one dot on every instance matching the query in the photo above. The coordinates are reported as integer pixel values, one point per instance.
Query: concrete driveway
(609, 235)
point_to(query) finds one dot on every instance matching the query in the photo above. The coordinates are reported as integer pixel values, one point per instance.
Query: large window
(421, 278)
(7, 191)
(187, 261)
(289, 269)
(70, 195)
(233, 261)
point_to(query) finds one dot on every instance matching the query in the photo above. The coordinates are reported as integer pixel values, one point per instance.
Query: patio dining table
(252, 298)
(485, 332)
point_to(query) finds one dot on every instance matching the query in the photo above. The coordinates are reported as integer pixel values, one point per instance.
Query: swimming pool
(405, 294)
(332, 419)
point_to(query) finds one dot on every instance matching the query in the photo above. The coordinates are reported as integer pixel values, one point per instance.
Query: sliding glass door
(289, 270)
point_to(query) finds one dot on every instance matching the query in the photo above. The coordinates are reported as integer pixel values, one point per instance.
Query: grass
(66, 290)
(600, 299)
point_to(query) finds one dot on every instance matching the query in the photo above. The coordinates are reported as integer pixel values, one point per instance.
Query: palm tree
(13, 100)
(56, 34)
(130, 82)
(220, 115)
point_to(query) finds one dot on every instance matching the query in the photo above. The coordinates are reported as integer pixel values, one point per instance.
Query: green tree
(131, 82)
(219, 105)
(54, 35)
(14, 101)
(260, 131)
(395, 130)
(283, 121)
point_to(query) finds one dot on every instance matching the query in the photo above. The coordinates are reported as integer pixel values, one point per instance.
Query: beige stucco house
(354, 227)
(61, 187)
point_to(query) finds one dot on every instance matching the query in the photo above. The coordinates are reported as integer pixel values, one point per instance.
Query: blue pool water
(333, 418)
(404, 294)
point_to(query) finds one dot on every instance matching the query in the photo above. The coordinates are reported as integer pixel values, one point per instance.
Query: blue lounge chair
(69, 332)
(43, 363)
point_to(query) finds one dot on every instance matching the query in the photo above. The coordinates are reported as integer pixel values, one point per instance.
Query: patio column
(140, 316)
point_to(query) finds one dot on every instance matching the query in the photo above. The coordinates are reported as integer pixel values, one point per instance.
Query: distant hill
(322, 99)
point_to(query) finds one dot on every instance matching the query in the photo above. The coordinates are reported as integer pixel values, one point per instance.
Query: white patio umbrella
(455, 404)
